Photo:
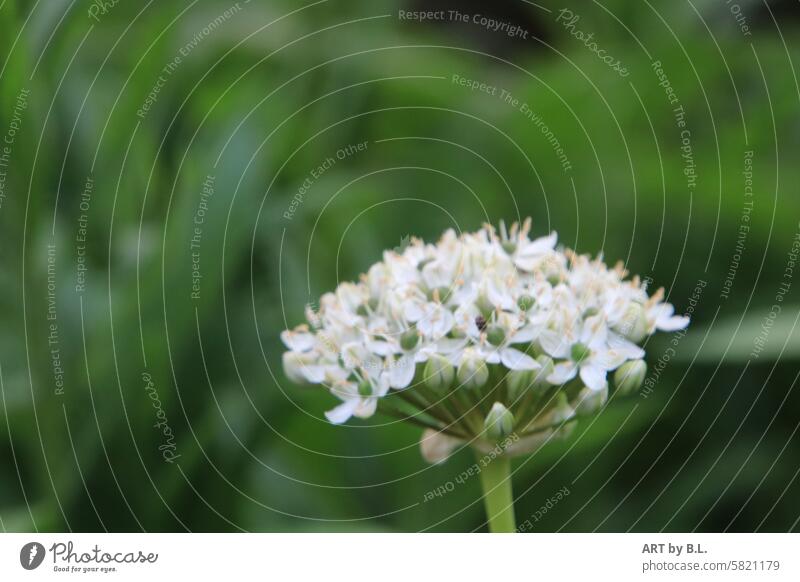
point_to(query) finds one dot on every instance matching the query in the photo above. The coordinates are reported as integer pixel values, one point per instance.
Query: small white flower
(298, 339)
(434, 321)
(358, 399)
(661, 317)
(500, 335)
(591, 353)
(530, 254)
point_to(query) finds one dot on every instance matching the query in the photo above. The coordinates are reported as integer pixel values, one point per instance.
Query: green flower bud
(365, 388)
(409, 339)
(438, 373)
(561, 410)
(526, 302)
(590, 312)
(634, 324)
(517, 383)
(496, 335)
(472, 373)
(552, 271)
(589, 401)
(499, 422)
(580, 352)
(629, 377)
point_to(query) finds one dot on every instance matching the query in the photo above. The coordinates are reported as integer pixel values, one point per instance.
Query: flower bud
(580, 352)
(552, 271)
(525, 302)
(365, 388)
(438, 373)
(589, 401)
(409, 339)
(496, 335)
(517, 383)
(633, 325)
(472, 372)
(436, 446)
(590, 312)
(561, 410)
(499, 422)
(629, 377)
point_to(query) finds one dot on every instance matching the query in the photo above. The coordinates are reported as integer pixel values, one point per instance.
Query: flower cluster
(479, 336)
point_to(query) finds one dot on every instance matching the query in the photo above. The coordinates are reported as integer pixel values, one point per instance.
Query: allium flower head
(478, 336)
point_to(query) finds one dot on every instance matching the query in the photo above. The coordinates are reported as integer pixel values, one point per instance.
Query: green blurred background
(261, 95)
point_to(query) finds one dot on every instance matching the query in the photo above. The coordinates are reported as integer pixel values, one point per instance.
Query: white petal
(436, 323)
(593, 376)
(563, 372)
(625, 347)
(448, 345)
(350, 295)
(292, 367)
(437, 274)
(661, 311)
(401, 372)
(354, 354)
(382, 387)
(446, 323)
(607, 359)
(413, 311)
(490, 354)
(673, 323)
(437, 447)
(335, 374)
(381, 347)
(299, 341)
(313, 373)
(529, 253)
(516, 360)
(525, 334)
(554, 344)
(542, 244)
(595, 331)
(342, 412)
(366, 407)
(498, 295)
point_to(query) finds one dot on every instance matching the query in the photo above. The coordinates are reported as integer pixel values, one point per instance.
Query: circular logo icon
(31, 555)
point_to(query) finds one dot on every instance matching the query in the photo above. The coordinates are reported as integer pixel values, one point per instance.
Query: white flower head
(490, 303)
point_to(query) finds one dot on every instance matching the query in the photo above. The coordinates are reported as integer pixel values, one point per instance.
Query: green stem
(497, 496)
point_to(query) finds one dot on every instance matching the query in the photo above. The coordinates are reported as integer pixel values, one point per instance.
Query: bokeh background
(130, 120)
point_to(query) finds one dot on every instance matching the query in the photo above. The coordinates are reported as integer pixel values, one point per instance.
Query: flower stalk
(498, 498)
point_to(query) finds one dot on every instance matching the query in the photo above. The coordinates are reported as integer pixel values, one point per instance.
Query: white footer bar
(406, 557)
